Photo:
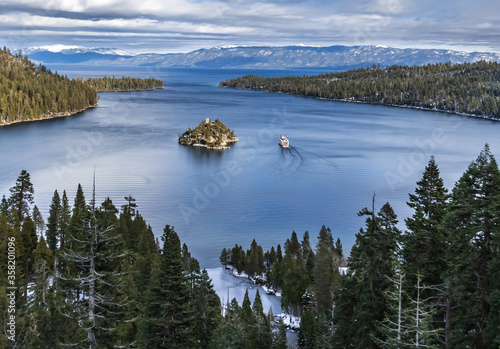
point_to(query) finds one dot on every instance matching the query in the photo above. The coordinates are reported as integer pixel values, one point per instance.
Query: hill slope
(28, 92)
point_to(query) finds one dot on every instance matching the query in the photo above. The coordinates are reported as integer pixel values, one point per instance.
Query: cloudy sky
(184, 25)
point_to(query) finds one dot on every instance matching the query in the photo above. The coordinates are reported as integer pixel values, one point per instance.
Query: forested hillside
(28, 92)
(471, 88)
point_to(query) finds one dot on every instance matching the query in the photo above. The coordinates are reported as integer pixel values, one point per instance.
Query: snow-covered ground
(224, 280)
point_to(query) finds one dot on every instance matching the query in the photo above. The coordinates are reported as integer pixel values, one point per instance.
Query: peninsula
(468, 88)
(208, 134)
(31, 93)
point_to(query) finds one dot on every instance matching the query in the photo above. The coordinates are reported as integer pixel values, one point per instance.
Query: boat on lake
(284, 142)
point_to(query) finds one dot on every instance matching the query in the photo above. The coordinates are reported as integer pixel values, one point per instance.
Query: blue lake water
(341, 154)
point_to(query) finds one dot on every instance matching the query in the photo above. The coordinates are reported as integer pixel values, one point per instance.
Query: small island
(208, 134)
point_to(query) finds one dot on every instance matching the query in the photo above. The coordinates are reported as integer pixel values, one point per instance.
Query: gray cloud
(183, 25)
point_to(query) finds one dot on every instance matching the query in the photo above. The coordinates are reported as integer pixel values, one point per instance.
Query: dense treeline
(300, 270)
(28, 92)
(95, 277)
(123, 84)
(435, 285)
(471, 88)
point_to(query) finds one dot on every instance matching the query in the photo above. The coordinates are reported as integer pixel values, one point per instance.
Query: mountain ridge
(263, 57)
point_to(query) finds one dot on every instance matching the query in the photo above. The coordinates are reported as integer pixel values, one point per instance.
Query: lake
(341, 155)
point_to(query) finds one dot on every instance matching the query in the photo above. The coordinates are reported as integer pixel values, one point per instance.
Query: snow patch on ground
(291, 322)
(234, 283)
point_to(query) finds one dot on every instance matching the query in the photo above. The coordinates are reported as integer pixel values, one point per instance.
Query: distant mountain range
(263, 57)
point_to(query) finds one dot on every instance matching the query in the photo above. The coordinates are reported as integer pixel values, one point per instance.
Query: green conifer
(167, 321)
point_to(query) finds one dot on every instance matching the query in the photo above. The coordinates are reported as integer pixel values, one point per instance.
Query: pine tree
(4, 206)
(305, 248)
(131, 302)
(167, 320)
(229, 332)
(472, 222)
(360, 304)
(38, 219)
(144, 259)
(306, 337)
(391, 331)
(261, 327)
(80, 215)
(52, 326)
(254, 261)
(290, 275)
(53, 222)
(22, 195)
(326, 270)
(224, 257)
(246, 308)
(422, 333)
(407, 322)
(492, 329)
(95, 258)
(64, 219)
(206, 304)
(279, 337)
(130, 207)
(43, 255)
(29, 242)
(424, 245)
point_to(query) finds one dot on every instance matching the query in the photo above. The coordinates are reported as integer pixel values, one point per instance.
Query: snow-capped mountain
(73, 54)
(266, 57)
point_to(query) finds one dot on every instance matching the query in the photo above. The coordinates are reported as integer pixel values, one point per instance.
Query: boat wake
(295, 157)
(292, 161)
(328, 161)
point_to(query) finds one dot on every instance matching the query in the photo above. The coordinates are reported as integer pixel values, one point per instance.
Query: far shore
(132, 90)
(348, 100)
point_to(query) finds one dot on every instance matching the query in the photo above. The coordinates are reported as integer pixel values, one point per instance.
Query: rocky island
(208, 134)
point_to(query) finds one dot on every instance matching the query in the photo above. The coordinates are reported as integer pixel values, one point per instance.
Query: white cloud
(390, 22)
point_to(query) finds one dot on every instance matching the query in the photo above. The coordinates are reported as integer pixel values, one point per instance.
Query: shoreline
(57, 115)
(484, 117)
(132, 90)
(221, 147)
(44, 117)
(227, 279)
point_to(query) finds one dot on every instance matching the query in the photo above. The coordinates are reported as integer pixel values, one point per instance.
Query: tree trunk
(447, 319)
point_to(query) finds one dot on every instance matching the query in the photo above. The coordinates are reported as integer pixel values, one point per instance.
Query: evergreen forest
(469, 88)
(29, 92)
(94, 276)
(434, 285)
(123, 84)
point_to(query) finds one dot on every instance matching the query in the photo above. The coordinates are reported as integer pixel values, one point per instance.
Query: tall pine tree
(21, 195)
(472, 222)
(53, 221)
(360, 304)
(425, 242)
(167, 321)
